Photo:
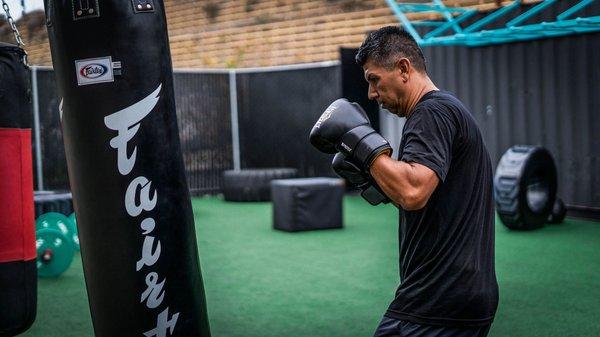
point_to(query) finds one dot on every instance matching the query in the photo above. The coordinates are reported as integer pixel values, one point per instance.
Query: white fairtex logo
(140, 197)
(325, 116)
(93, 70)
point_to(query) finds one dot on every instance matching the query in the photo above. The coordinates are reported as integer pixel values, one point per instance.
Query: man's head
(394, 66)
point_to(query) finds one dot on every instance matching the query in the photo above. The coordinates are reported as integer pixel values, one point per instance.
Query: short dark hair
(385, 45)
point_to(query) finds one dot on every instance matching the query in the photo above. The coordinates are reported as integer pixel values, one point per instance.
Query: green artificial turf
(261, 282)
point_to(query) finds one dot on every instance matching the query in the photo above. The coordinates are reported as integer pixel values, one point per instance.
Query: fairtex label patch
(92, 71)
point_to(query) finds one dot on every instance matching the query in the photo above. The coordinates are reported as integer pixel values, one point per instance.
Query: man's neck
(422, 87)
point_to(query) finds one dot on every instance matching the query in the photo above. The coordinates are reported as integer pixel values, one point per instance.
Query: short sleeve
(427, 139)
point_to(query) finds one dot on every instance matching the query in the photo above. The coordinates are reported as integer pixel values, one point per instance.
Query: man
(442, 182)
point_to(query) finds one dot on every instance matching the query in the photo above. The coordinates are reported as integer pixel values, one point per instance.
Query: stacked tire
(253, 184)
(525, 187)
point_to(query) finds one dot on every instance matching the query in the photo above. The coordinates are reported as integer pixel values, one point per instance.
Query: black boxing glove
(344, 127)
(370, 191)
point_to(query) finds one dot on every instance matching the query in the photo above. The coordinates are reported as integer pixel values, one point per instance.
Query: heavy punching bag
(136, 228)
(18, 273)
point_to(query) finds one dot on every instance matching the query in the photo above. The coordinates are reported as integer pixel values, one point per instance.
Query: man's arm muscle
(407, 184)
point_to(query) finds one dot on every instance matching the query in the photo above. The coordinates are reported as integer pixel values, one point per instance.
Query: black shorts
(390, 327)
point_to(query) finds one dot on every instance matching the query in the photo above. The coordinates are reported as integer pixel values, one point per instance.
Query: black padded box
(307, 203)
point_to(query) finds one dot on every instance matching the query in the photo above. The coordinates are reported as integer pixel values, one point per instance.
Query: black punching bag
(136, 228)
(18, 272)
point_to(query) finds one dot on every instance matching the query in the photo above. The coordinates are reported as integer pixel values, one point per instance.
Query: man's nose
(372, 93)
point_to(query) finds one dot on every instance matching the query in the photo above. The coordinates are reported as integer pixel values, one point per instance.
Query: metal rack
(475, 33)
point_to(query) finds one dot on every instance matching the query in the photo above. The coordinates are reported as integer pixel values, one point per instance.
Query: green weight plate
(58, 221)
(52, 215)
(74, 231)
(73, 218)
(54, 252)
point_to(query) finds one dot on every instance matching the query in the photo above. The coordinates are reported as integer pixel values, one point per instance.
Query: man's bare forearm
(408, 185)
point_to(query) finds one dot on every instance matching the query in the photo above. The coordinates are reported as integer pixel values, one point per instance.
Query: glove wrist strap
(352, 138)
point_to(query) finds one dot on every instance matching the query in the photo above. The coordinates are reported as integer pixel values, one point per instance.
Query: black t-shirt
(447, 248)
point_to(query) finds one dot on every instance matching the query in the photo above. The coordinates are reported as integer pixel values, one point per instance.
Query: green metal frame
(476, 35)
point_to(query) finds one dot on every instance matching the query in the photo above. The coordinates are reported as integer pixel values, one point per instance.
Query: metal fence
(204, 118)
(251, 118)
(49, 154)
(277, 108)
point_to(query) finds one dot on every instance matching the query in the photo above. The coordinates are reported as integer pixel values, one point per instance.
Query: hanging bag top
(15, 92)
(18, 48)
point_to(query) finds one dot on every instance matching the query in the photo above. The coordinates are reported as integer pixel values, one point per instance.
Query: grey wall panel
(544, 92)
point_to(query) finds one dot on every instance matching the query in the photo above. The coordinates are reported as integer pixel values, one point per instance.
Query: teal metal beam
(404, 20)
(582, 4)
(400, 10)
(427, 23)
(419, 7)
(514, 30)
(450, 18)
(521, 33)
(449, 24)
(492, 17)
(531, 12)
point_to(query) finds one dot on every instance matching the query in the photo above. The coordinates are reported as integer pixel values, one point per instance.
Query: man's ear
(403, 67)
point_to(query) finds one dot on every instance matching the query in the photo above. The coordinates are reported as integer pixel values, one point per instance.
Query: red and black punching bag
(136, 228)
(18, 273)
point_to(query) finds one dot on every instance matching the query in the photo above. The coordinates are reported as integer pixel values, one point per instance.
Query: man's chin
(393, 110)
(385, 107)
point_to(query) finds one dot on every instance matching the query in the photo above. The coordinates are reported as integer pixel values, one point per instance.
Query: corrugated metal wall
(543, 92)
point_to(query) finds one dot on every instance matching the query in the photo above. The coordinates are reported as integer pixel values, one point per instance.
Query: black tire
(558, 213)
(253, 184)
(525, 187)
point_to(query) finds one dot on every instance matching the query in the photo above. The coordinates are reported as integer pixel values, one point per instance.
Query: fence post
(36, 129)
(235, 131)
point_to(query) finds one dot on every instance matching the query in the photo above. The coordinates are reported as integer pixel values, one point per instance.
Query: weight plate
(74, 231)
(58, 221)
(54, 252)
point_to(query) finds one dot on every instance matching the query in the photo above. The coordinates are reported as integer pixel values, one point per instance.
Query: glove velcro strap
(347, 170)
(351, 138)
(374, 196)
(370, 147)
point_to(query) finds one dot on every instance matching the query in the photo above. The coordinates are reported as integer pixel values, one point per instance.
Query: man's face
(387, 87)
